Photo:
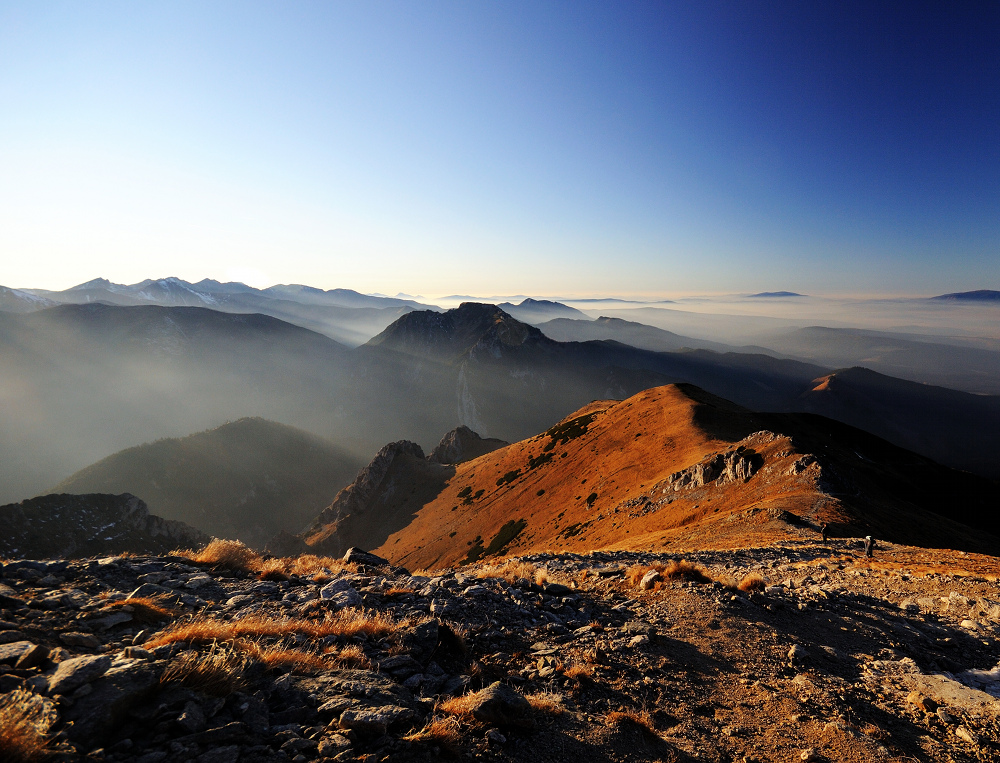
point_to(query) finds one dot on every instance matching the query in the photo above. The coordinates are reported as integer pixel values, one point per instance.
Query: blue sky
(542, 148)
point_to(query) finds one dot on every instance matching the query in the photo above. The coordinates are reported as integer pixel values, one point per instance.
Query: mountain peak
(470, 327)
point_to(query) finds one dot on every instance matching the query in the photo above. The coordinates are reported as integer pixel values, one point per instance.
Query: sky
(577, 148)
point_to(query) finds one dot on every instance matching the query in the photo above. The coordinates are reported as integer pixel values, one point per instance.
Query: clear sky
(503, 147)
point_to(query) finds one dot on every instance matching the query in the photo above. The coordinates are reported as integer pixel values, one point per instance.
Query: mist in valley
(84, 380)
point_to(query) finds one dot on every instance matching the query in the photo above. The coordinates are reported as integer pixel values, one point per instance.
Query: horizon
(829, 149)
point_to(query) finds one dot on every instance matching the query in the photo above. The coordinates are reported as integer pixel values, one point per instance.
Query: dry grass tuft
(228, 554)
(352, 656)
(512, 570)
(145, 609)
(752, 582)
(460, 706)
(22, 735)
(682, 569)
(345, 622)
(443, 732)
(218, 673)
(579, 672)
(640, 721)
(546, 703)
(274, 656)
(541, 577)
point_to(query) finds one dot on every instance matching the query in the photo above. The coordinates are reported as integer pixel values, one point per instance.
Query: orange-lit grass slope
(600, 479)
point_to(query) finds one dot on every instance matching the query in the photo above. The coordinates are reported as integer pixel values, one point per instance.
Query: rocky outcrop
(462, 444)
(737, 465)
(72, 526)
(357, 497)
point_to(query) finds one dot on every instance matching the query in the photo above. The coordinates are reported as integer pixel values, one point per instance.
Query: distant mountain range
(249, 479)
(341, 314)
(536, 311)
(81, 382)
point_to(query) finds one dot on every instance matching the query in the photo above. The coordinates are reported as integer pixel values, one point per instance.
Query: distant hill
(628, 332)
(980, 295)
(922, 360)
(18, 301)
(535, 311)
(248, 480)
(670, 467)
(74, 526)
(777, 294)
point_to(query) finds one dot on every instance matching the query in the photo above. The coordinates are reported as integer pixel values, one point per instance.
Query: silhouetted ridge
(468, 328)
(980, 295)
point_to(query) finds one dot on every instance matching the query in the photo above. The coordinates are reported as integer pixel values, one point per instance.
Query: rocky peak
(462, 444)
(471, 328)
(356, 497)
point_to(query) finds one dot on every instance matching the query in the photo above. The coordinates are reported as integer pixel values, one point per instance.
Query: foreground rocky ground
(619, 656)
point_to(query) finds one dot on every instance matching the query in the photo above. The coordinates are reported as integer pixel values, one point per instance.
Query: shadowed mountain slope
(248, 480)
(628, 332)
(670, 467)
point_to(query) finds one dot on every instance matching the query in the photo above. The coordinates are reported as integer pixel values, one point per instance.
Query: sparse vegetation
(511, 571)
(226, 554)
(640, 721)
(546, 703)
(22, 735)
(218, 673)
(752, 582)
(345, 622)
(145, 609)
(509, 477)
(445, 733)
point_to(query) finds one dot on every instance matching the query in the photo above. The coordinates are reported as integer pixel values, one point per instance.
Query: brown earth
(670, 468)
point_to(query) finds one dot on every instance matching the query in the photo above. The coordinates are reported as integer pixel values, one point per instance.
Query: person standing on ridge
(825, 529)
(869, 545)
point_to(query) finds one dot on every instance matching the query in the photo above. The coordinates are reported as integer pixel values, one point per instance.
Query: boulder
(119, 688)
(499, 705)
(74, 673)
(375, 720)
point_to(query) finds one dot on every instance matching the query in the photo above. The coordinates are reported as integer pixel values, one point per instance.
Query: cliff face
(74, 526)
(462, 444)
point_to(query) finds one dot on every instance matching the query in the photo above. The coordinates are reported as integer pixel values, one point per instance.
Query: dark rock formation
(72, 526)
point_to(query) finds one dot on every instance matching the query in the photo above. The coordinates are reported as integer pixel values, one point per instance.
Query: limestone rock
(499, 705)
(76, 672)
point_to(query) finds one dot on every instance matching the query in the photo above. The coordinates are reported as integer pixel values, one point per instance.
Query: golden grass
(351, 656)
(752, 582)
(541, 577)
(546, 703)
(218, 673)
(21, 737)
(675, 569)
(460, 706)
(512, 571)
(145, 609)
(579, 672)
(228, 554)
(345, 622)
(441, 732)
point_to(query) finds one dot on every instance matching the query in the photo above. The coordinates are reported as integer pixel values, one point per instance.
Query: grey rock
(797, 653)
(422, 639)
(76, 672)
(649, 580)
(357, 556)
(333, 744)
(32, 658)
(499, 705)
(11, 653)
(113, 695)
(375, 721)
(110, 621)
(85, 640)
(10, 636)
(192, 719)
